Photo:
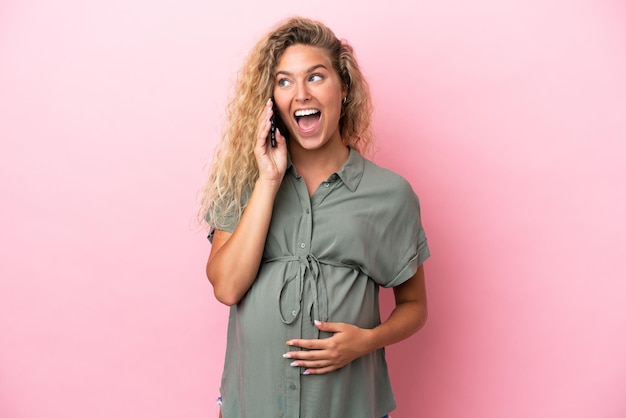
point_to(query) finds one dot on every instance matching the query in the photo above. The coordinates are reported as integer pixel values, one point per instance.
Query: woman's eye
(315, 77)
(283, 82)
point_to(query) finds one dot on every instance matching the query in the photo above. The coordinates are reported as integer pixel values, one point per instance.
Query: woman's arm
(409, 315)
(350, 342)
(235, 257)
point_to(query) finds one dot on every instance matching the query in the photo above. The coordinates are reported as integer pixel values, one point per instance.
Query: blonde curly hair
(234, 170)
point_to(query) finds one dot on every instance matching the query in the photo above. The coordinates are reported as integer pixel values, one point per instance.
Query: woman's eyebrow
(309, 70)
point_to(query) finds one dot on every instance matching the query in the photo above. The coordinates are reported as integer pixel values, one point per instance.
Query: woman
(303, 234)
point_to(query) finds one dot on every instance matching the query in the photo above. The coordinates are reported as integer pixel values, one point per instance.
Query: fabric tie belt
(309, 275)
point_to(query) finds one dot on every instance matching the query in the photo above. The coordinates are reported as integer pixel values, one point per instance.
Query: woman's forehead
(303, 58)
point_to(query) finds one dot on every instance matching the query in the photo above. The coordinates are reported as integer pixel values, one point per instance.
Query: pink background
(508, 117)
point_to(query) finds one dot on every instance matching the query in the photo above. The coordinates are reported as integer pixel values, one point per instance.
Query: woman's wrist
(268, 183)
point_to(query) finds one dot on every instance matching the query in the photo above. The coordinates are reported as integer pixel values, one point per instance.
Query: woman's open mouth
(307, 119)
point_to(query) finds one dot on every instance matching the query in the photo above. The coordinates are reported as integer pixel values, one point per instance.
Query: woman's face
(309, 93)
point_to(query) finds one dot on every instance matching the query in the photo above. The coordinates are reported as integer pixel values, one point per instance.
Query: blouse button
(294, 313)
(303, 245)
(292, 387)
(327, 184)
(307, 211)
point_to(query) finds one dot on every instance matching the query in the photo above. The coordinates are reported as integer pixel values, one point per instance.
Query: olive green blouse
(325, 257)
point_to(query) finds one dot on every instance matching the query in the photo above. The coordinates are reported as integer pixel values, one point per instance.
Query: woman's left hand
(348, 343)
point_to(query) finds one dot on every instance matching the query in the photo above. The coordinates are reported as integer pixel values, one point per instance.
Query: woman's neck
(315, 166)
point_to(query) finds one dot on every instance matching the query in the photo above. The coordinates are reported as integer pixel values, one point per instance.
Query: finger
(321, 370)
(308, 344)
(308, 355)
(263, 128)
(317, 364)
(329, 326)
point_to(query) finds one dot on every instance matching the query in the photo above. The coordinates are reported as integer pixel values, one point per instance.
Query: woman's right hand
(272, 161)
(231, 284)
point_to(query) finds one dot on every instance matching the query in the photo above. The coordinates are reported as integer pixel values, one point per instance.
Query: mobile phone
(273, 124)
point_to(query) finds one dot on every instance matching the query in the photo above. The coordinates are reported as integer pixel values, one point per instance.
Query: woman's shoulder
(386, 178)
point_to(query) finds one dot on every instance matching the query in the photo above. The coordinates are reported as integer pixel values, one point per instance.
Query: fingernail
(306, 372)
(269, 100)
(286, 355)
(289, 342)
(316, 322)
(294, 364)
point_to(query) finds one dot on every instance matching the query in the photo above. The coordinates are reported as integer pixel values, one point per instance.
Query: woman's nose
(302, 92)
